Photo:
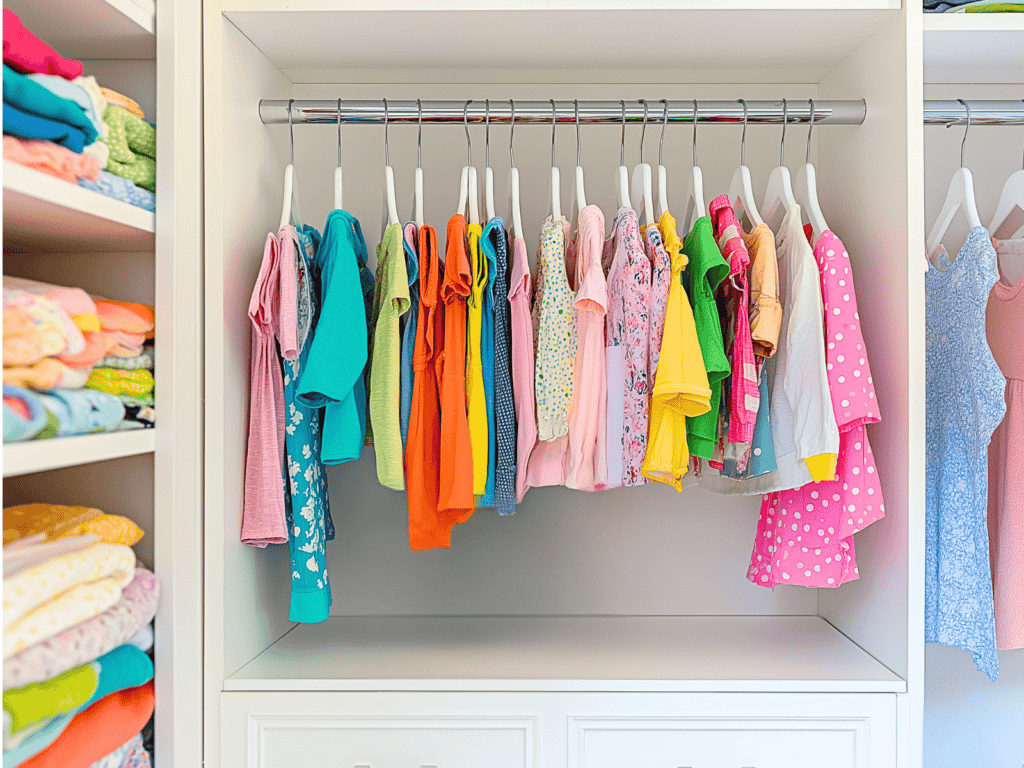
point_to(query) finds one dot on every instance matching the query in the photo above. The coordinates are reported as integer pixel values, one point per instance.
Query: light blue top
(411, 321)
(965, 403)
(35, 99)
(66, 89)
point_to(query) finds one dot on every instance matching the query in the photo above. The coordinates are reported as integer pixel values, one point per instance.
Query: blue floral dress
(964, 406)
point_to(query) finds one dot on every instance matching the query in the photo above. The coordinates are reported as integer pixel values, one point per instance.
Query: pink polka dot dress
(805, 535)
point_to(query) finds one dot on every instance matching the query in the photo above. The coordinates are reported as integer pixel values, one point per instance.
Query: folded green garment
(132, 143)
(26, 706)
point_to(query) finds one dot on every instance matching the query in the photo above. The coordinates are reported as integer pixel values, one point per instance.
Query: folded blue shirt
(36, 99)
(26, 125)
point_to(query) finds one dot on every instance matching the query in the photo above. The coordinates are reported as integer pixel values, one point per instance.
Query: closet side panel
(865, 193)
(246, 589)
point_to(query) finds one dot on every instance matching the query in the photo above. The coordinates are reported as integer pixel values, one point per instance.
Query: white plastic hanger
(1009, 219)
(622, 173)
(779, 192)
(337, 171)
(643, 182)
(579, 196)
(488, 173)
(805, 187)
(467, 188)
(290, 198)
(741, 191)
(695, 207)
(662, 173)
(555, 188)
(513, 179)
(417, 190)
(389, 176)
(960, 195)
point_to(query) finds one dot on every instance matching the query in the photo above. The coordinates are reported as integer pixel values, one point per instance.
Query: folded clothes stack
(972, 6)
(62, 123)
(78, 639)
(73, 363)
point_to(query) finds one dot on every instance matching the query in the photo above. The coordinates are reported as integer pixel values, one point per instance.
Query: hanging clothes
(1005, 328)
(333, 376)
(391, 296)
(661, 274)
(455, 503)
(408, 329)
(495, 246)
(476, 396)
(965, 403)
(820, 552)
(588, 416)
(487, 257)
(554, 323)
(627, 342)
(681, 383)
(520, 301)
(428, 526)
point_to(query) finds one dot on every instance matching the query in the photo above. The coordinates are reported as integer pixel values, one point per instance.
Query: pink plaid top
(744, 396)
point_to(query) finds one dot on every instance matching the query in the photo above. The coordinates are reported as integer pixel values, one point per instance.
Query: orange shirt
(455, 503)
(423, 446)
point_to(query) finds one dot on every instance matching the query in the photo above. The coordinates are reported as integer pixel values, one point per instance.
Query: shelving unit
(93, 29)
(41, 455)
(46, 214)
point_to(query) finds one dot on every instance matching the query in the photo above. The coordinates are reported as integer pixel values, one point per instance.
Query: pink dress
(588, 410)
(1004, 323)
(661, 275)
(805, 535)
(520, 297)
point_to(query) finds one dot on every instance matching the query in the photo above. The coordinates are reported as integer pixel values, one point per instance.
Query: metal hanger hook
(782, 142)
(552, 132)
(968, 128)
(694, 133)
(743, 138)
(465, 123)
(576, 109)
(387, 159)
(339, 133)
(661, 141)
(810, 130)
(487, 133)
(511, 134)
(291, 131)
(622, 143)
(643, 130)
(419, 133)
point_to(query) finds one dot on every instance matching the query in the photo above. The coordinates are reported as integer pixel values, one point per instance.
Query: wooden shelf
(43, 214)
(41, 455)
(92, 29)
(515, 653)
(973, 47)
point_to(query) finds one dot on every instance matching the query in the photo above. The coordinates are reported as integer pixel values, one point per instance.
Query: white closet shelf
(973, 47)
(92, 29)
(685, 654)
(45, 214)
(41, 455)
(973, 22)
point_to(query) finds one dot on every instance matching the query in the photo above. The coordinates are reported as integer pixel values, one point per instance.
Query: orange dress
(423, 446)
(455, 502)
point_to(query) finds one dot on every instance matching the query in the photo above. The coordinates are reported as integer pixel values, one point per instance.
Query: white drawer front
(722, 743)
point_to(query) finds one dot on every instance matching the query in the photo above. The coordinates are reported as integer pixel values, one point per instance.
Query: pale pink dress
(520, 298)
(1005, 329)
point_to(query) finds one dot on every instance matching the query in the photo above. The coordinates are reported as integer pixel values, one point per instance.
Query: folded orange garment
(23, 340)
(48, 373)
(99, 730)
(125, 316)
(51, 159)
(120, 100)
(97, 345)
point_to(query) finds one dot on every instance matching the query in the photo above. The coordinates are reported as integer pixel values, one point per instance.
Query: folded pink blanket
(75, 301)
(51, 159)
(23, 340)
(24, 52)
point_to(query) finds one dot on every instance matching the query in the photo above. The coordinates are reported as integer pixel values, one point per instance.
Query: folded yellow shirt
(58, 521)
(115, 381)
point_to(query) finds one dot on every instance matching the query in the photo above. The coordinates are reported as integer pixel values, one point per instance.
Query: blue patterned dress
(964, 406)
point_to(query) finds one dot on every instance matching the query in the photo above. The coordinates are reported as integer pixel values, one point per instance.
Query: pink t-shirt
(520, 297)
(26, 53)
(805, 535)
(273, 309)
(588, 463)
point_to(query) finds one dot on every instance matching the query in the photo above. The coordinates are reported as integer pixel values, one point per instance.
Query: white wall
(970, 721)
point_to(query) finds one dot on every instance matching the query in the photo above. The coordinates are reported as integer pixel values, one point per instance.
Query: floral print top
(661, 276)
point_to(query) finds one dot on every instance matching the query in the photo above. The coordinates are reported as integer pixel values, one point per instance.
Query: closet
(587, 629)
(63, 234)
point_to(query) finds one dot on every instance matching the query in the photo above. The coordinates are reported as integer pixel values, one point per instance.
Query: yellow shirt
(476, 400)
(681, 386)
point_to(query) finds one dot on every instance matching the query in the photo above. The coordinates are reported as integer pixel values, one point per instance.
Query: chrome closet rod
(945, 112)
(324, 111)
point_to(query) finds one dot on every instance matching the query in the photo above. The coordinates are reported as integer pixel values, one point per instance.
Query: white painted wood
(973, 47)
(44, 213)
(656, 653)
(92, 29)
(41, 455)
(559, 5)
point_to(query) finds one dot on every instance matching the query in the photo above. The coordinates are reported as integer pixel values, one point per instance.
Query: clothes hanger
(579, 197)
(389, 176)
(513, 179)
(622, 173)
(467, 189)
(643, 194)
(960, 195)
(337, 171)
(695, 184)
(662, 173)
(555, 189)
(417, 190)
(1009, 219)
(805, 187)
(741, 191)
(779, 192)
(290, 198)
(488, 173)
